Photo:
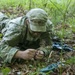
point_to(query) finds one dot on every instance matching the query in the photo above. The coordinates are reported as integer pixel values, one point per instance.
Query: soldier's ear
(27, 21)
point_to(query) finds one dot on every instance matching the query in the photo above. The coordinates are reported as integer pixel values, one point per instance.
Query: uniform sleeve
(46, 43)
(46, 39)
(8, 44)
(3, 20)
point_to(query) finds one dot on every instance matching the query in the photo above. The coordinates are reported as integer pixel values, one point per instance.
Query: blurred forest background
(61, 13)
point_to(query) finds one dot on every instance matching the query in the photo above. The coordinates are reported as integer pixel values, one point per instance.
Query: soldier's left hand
(39, 55)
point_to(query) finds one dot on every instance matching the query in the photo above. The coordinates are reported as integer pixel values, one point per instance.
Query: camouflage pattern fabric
(3, 20)
(14, 38)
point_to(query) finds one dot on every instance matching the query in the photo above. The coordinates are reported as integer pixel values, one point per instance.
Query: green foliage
(5, 71)
(61, 12)
(58, 10)
(71, 60)
(0, 35)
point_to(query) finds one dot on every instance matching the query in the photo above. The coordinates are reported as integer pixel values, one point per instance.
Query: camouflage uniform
(17, 37)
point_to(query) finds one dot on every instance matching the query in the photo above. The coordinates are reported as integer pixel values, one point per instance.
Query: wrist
(44, 53)
(18, 54)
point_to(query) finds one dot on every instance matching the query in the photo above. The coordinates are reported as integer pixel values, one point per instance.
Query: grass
(56, 10)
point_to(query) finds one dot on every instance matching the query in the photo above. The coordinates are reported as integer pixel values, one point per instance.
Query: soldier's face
(33, 33)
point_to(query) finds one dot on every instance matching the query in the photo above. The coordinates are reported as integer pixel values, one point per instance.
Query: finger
(32, 50)
(30, 56)
(38, 57)
(32, 53)
(40, 52)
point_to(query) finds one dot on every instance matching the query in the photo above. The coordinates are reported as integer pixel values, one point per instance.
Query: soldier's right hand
(29, 54)
(26, 55)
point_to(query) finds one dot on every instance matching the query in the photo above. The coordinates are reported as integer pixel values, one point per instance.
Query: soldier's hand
(29, 54)
(39, 55)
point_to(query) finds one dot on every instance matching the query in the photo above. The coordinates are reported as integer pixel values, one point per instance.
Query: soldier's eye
(34, 21)
(39, 22)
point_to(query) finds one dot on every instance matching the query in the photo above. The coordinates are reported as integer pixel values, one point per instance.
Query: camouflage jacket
(16, 37)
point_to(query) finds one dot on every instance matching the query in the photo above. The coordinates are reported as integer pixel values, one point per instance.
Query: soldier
(27, 37)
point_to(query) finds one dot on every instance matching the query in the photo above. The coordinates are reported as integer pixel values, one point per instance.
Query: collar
(30, 37)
